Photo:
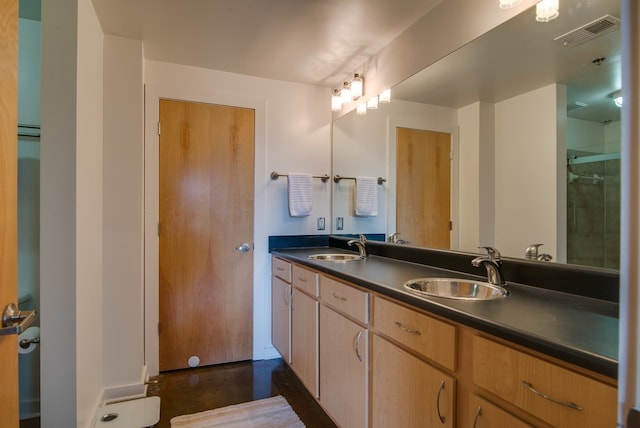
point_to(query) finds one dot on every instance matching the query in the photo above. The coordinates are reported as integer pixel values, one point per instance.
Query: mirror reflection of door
(423, 175)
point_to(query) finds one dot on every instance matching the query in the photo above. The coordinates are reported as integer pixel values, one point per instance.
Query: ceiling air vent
(593, 29)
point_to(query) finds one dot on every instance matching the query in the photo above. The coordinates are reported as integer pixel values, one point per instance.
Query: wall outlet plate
(339, 223)
(321, 223)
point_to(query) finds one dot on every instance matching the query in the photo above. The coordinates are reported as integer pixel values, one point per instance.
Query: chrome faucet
(360, 243)
(531, 253)
(395, 240)
(493, 263)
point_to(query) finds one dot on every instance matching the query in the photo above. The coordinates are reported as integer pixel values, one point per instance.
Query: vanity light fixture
(357, 86)
(385, 96)
(361, 109)
(547, 10)
(336, 100)
(345, 93)
(507, 4)
(372, 104)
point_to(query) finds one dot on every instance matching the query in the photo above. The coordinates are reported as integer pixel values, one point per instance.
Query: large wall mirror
(512, 140)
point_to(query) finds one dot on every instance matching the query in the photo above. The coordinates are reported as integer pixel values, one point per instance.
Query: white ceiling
(317, 42)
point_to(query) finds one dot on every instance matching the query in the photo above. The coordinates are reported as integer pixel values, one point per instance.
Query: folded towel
(300, 191)
(366, 196)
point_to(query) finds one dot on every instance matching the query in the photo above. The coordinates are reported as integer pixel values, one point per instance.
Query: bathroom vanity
(377, 355)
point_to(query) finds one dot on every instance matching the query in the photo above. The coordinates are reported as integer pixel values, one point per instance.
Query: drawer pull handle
(356, 345)
(568, 404)
(335, 296)
(302, 279)
(438, 402)
(281, 269)
(478, 414)
(408, 330)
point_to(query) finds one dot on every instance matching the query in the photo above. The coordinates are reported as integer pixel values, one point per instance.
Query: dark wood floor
(205, 388)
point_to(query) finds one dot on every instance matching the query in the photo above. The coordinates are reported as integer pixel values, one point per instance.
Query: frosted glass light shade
(385, 96)
(345, 93)
(547, 10)
(357, 86)
(361, 109)
(336, 101)
(372, 104)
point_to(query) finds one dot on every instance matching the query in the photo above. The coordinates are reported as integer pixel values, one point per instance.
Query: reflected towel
(299, 188)
(366, 196)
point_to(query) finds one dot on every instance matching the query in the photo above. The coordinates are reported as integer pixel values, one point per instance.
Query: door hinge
(450, 225)
(158, 229)
(450, 155)
(158, 329)
(159, 128)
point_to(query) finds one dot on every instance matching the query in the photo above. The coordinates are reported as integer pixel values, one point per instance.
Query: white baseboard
(126, 392)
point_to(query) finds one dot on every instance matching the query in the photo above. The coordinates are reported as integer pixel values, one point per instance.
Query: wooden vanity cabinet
(485, 414)
(553, 394)
(304, 327)
(406, 389)
(344, 355)
(280, 307)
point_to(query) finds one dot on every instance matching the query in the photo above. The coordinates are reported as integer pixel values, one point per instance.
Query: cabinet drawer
(428, 336)
(552, 393)
(487, 415)
(305, 279)
(281, 269)
(349, 300)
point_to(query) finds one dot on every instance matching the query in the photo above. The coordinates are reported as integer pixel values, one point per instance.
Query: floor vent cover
(593, 29)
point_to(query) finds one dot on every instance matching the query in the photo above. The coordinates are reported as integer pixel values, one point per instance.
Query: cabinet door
(343, 369)
(406, 391)
(304, 339)
(488, 415)
(281, 317)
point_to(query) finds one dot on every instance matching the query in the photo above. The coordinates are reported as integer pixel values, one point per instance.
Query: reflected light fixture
(336, 100)
(361, 109)
(372, 104)
(547, 10)
(617, 98)
(507, 4)
(385, 96)
(357, 86)
(345, 93)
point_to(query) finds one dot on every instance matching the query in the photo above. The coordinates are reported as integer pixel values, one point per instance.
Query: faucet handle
(362, 239)
(493, 253)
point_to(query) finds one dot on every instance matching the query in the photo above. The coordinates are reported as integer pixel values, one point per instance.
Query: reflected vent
(596, 28)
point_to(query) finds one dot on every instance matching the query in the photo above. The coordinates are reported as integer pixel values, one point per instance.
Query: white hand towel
(366, 196)
(300, 191)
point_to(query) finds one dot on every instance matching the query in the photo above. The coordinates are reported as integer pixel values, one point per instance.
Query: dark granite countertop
(580, 330)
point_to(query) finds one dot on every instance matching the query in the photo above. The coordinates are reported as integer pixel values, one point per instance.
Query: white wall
(477, 176)
(71, 214)
(123, 199)
(529, 190)
(593, 137)
(292, 135)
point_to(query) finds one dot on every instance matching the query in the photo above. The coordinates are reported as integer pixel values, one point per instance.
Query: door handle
(15, 321)
(245, 248)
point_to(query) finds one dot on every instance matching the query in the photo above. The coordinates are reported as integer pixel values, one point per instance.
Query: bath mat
(272, 412)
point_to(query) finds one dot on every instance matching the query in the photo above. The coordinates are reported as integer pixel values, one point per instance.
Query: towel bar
(337, 178)
(323, 177)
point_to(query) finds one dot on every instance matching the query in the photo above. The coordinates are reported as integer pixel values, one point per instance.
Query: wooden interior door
(206, 213)
(423, 175)
(8, 204)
